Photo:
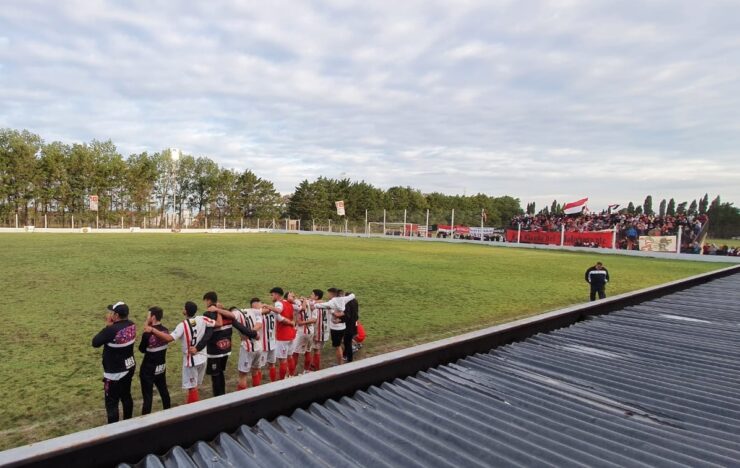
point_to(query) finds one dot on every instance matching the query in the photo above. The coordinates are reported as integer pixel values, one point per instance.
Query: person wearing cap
(117, 338)
(194, 331)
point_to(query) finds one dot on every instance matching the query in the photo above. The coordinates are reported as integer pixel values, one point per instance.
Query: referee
(597, 276)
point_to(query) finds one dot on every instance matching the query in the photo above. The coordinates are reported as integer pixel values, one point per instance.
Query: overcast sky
(535, 99)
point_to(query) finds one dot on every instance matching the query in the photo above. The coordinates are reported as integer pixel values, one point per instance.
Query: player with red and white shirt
(305, 320)
(321, 330)
(194, 331)
(285, 332)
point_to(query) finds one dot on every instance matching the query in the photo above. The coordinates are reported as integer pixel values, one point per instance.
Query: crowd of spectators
(629, 228)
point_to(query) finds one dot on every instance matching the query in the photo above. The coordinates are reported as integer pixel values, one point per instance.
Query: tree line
(724, 217)
(39, 178)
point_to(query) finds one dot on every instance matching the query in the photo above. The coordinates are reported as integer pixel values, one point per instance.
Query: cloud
(533, 98)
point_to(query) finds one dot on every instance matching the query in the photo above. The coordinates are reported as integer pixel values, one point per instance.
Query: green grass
(56, 286)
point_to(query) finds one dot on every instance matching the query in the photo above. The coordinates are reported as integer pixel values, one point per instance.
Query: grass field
(56, 287)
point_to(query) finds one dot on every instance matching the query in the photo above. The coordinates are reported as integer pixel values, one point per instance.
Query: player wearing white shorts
(250, 352)
(303, 342)
(269, 343)
(335, 305)
(321, 328)
(285, 329)
(194, 332)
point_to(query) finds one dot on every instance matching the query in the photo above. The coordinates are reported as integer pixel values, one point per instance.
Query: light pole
(175, 157)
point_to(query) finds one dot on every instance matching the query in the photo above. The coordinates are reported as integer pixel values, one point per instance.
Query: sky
(540, 100)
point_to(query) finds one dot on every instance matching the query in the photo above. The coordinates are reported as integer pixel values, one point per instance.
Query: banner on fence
(93, 203)
(590, 239)
(340, 207)
(657, 243)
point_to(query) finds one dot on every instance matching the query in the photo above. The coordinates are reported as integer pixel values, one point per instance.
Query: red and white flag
(575, 207)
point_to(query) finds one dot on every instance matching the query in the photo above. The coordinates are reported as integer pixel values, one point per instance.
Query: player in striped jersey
(194, 331)
(303, 342)
(321, 328)
(269, 343)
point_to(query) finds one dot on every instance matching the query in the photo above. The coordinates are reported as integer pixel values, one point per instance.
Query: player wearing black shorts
(153, 368)
(219, 346)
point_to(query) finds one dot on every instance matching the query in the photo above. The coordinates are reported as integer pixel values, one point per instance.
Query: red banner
(598, 238)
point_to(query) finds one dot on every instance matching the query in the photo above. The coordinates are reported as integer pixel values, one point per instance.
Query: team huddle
(273, 335)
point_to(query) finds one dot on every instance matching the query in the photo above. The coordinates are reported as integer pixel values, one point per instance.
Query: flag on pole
(575, 207)
(484, 215)
(93, 203)
(613, 207)
(340, 207)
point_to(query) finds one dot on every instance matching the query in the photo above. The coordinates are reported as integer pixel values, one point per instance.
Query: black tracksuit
(118, 366)
(351, 315)
(597, 279)
(153, 369)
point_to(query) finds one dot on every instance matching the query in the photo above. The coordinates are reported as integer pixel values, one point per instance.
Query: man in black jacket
(597, 276)
(117, 338)
(351, 315)
(154, 368)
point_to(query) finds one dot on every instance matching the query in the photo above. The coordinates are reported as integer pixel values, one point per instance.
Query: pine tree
(554, 207)
(631, 208)
(704, 204)
(661, 210)
(693, 207)
(671, 210)
(647, 206)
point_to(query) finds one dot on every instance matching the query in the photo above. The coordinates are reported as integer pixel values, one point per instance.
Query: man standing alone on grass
(194, 333)
(118, 338)
(597, 276)
(219, 346)
(153, 369)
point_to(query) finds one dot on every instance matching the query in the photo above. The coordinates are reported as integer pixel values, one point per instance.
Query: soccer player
(117, 338)
(305, 321)
(597, 276)
(321, 328)
(282, 310)
(194, 331)
(219, 346)
(335, 305)
(153, 368)
(248, 322)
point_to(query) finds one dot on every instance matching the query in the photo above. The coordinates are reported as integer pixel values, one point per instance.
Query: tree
(554, 208)
(704, 204)
(638, 210)
(18, 151)
(671, 209)
(681, 209)
(662, 209)
(647, 206)
(693, 208)
(631, 208)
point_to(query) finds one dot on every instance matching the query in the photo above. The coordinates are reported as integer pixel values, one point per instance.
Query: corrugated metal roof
(652, 384)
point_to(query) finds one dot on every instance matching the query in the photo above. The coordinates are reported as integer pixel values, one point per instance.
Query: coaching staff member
(117, 338)
(597, 276)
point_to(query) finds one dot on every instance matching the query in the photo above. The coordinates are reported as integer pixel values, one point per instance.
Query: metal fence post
(562, 235)
(519, 234)
(366, 223)
(452, 227)
(614, 238)
(426, 230)
(404, 224)
(482, 211)
(383, 221)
